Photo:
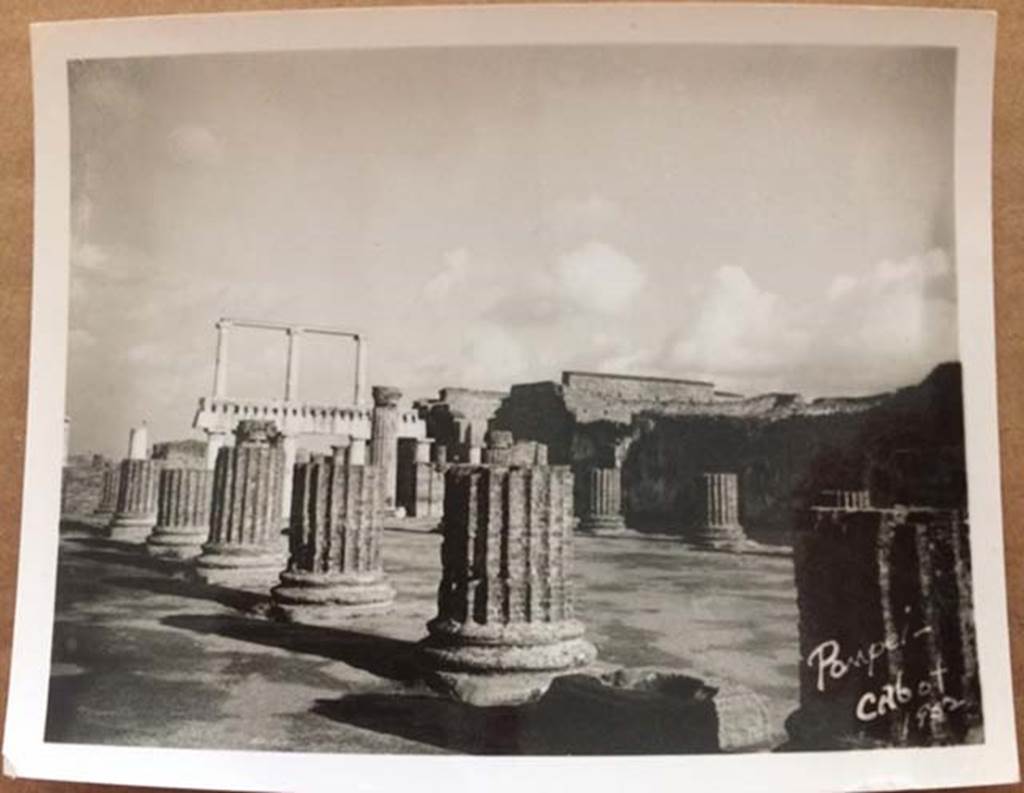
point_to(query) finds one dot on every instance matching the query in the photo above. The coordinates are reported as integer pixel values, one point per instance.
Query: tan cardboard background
(16, 276)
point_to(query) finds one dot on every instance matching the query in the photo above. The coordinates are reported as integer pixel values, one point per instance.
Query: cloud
(596, 277)
(454, 272)
(192, 144)
(738, 327)
(890, 324)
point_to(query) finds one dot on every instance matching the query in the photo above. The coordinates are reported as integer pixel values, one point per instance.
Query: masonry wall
(906, 447)
(82, 484)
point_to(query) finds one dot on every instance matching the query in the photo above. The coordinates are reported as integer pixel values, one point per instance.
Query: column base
(130, 528)
(606, 525)
(488, 665)
(255, 566)
(178, 542)
(720, 538)
(324, 599)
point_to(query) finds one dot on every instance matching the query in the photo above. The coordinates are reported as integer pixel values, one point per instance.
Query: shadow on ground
(578, 715)
(393, 659)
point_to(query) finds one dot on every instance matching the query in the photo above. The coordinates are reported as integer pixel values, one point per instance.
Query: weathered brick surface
(335, 522)
(507, 552)
(247, 485)
(885, 600)
(82, 485)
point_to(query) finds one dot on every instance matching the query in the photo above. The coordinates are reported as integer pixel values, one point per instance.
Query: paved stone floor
(144, 657)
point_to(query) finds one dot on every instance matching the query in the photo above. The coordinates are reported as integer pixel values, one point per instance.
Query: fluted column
(890, 581)
(109, 489)
(384, 441)
(602, 513)
(220, 366)
(335, 567)
(135, 514)
(846, 499)
(244, 546)
(718, 520)
(505, 625)
(183, 513)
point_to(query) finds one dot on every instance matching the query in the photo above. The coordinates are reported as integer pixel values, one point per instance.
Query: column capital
(386, 396)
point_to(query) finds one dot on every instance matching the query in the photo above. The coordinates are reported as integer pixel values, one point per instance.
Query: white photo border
(971, 33)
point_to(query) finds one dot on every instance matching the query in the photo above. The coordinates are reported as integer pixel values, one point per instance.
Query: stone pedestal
(135, 514)
(718, 525)
(244, 547)
(384, 441)
(505, 625)
(108, 490)
(335, 569)
(602, 513)
(891, 587)
(183, 513)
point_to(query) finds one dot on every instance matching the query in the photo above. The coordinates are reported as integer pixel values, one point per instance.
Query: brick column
(109, 489)
(505, 625)
(384, 441)
(718, 521)
(602, 512)
(244, 546)
(183, 513)
(893, 585)
(335, 569)
(135, 514)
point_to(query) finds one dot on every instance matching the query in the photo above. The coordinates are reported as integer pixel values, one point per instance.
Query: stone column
(220, 366)
(335, 568)
(183, 513)
(505, 625)
(439, 454)
(244, 547)
(602, 512)
(718, 526)
(474, 455)
(291, 383)
(138, 443)
(67, 441)
(109, 490)
(846, 499)
(426, 490)
(499, 448)
(215, 441)
(894, 584)
(135, 514)
(362, 350)
(384, 441)
(290, 448)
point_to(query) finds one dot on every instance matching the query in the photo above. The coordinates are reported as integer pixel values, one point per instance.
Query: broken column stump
(887, 641)
(718, 517)
(135, 514)
(183, 513)
(505, 625)
(335, 569)
(244, 546)
(109, 490)
(602, 513)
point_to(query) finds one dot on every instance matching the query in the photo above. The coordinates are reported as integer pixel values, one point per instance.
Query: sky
(768, 218)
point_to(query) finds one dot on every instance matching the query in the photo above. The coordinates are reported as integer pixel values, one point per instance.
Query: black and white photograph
(582, 395)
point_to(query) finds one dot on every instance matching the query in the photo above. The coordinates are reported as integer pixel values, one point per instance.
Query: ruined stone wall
(538, 412)
(626, 388)
(82, 484)
(907, 449)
